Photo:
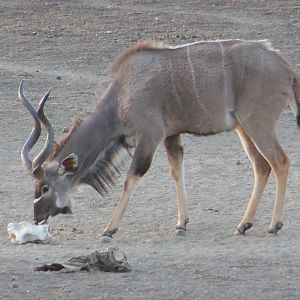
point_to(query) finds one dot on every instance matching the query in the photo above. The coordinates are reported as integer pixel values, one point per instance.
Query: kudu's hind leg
(261, 169)
(173, 145)
(267, 143)
(140, 164)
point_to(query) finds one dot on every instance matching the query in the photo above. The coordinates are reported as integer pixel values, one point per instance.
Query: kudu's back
(202, 88)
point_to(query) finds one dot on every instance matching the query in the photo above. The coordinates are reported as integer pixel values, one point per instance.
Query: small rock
(238, 163)
(13, 285)
(58, 77)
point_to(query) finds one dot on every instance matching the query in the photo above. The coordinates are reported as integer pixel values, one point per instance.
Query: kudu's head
(51, 178)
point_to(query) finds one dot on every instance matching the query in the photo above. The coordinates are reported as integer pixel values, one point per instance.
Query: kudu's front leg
(174, 147)
(141, 162)
(116, 218)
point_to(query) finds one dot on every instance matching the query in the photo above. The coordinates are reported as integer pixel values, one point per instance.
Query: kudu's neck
(98, 129)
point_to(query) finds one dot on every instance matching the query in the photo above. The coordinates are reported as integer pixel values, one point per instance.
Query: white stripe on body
(266, 43)
(192, 72)
(196, 91)
(162, 46)
(229, 105)
(225, 81)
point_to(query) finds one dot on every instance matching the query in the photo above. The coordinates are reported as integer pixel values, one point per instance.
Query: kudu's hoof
(179, 232)
(105, 240)
(274, 229)
(243, 228)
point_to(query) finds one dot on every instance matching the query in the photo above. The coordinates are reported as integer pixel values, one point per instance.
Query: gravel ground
(69, 45)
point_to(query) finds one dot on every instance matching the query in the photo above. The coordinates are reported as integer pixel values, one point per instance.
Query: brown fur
(140, 46)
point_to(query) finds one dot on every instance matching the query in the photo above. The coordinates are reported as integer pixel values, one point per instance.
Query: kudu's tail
(296, 105)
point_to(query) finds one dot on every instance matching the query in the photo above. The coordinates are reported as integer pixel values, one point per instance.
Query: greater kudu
(157, 93)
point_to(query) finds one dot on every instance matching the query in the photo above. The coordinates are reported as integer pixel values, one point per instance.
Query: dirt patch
(69, 45)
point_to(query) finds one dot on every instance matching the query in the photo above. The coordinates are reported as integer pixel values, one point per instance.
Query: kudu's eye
(45, 188)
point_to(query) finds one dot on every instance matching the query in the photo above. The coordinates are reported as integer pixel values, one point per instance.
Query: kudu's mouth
(58, 210)
(41, 222)
(45, 221)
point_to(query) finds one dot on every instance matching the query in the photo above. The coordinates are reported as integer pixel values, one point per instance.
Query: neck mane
(57, 147)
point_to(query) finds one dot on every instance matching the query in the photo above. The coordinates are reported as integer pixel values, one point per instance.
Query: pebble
(13, 285)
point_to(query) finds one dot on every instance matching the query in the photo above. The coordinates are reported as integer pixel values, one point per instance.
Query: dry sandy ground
(68, 45)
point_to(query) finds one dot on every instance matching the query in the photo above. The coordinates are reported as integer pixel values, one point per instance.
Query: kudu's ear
(68, 165)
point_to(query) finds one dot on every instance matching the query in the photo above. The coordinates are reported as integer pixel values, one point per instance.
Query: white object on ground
(25, 232)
